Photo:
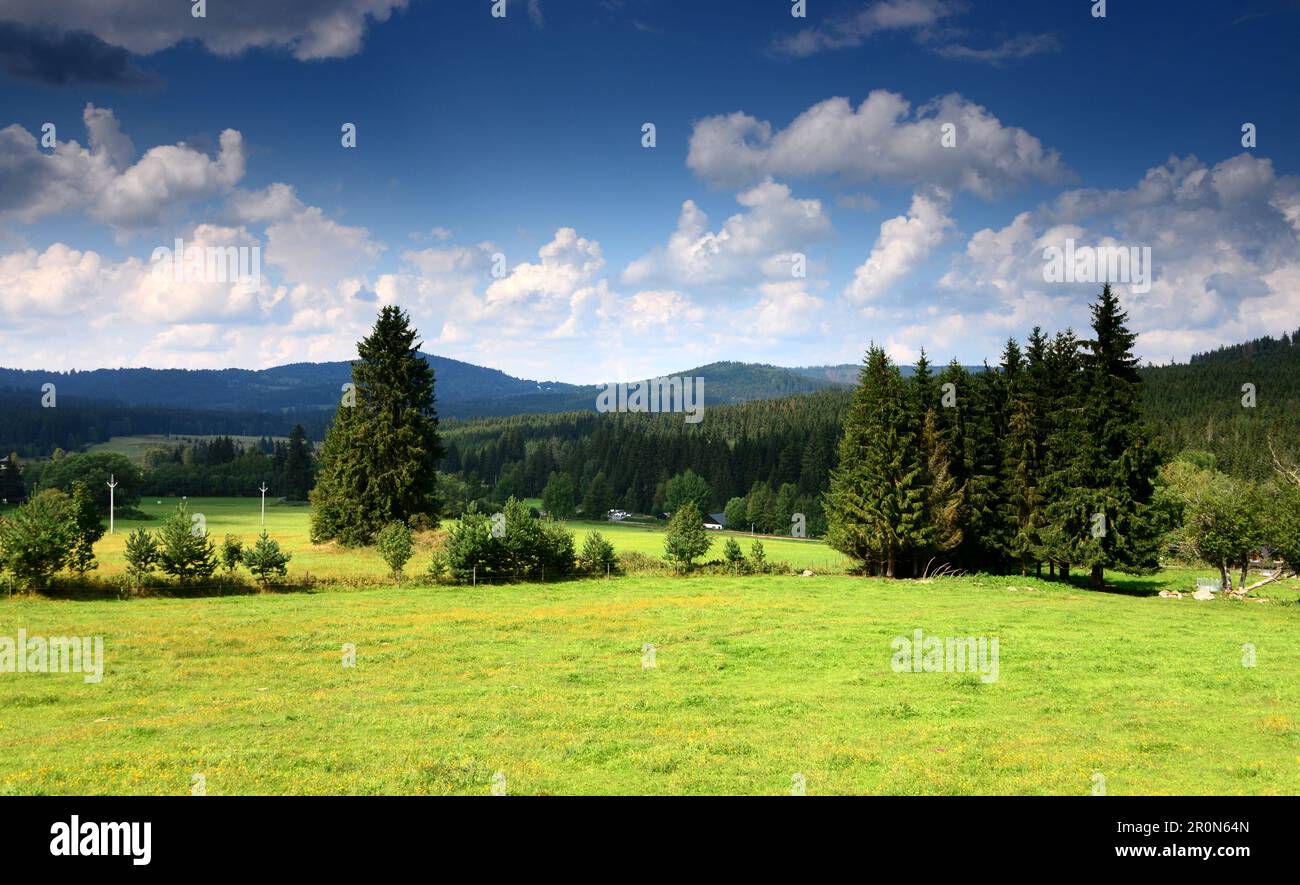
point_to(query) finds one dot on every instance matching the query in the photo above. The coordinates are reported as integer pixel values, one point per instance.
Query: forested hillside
(762, 425)
(781, 441)
(793, 440)
(32, 431)
(1202, 405)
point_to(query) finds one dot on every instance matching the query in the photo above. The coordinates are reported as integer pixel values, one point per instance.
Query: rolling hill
(464, 390)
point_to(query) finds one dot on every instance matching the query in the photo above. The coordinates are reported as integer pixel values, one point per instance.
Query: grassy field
(755, 680)
(290, 525)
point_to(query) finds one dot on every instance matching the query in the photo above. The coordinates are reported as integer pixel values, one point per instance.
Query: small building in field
(715, 521)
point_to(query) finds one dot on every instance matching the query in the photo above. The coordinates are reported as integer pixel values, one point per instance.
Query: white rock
(1203, 594)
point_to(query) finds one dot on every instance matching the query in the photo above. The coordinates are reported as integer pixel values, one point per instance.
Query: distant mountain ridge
(463, 389)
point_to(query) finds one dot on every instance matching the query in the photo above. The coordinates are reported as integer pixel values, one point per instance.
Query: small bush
(636, 562)
(232, 553)
(734, 559)
(597, 557)
(265, 560)
(186, 554)
(141, 556)
(395, 546)
(440, 566)
(37, 539)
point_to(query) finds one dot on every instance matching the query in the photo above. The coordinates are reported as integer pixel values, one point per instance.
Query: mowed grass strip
(756, 679)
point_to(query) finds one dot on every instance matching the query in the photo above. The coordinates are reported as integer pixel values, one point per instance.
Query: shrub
(187, 551)
(758, 558)
(265, 560)
(440, 566)
(232, 553)
(471, 548)
(532, 547)
(597, 556)
(557, 550)
(687, 538)
(141, 555)
(395, 545)
(37, 539)
(633, 562)
(734, 559)
(87, 530)
(513, 543)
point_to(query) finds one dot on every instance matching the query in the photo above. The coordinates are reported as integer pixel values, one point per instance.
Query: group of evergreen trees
(1045, 459)
(34, 431)
(224, 466)
(48, 533)
(54, 531)
(626, 461)
(219, 467)
(1235, 403)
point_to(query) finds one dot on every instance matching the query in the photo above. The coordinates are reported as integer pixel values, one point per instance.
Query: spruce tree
(380, 457)
(1022, 463)
(687, 539)
(297, 466)
(599, 499)
(875, 507)
(87, 530)
(265, 560)
(1102, 460)
(984, 541)
(11, 480)
(186, 551)
(941, 526)
(1065, 517)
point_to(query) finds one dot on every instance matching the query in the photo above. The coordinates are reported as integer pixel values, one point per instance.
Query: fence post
(474, 579)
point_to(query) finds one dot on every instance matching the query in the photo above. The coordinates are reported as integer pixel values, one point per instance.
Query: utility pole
(263, 503)
(112, 484)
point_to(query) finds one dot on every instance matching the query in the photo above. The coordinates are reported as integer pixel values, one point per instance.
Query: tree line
(219, 467)
(54, 531)
(1044, 460)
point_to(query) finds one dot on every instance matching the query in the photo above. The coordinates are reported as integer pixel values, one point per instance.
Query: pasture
(755, 680)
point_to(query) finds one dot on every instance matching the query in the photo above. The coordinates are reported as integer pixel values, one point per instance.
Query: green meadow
(755, 680)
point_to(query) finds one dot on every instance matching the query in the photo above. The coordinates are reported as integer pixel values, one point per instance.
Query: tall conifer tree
(379, 461)
(876, 503)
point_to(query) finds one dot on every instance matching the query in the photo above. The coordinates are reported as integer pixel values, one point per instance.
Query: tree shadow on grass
(1128, 585)
(98, 590)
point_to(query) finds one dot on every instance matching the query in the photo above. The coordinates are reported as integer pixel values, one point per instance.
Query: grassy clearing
(134, 447)
(756, 679)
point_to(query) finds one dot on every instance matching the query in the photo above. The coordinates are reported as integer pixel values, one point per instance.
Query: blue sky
(521, 137)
